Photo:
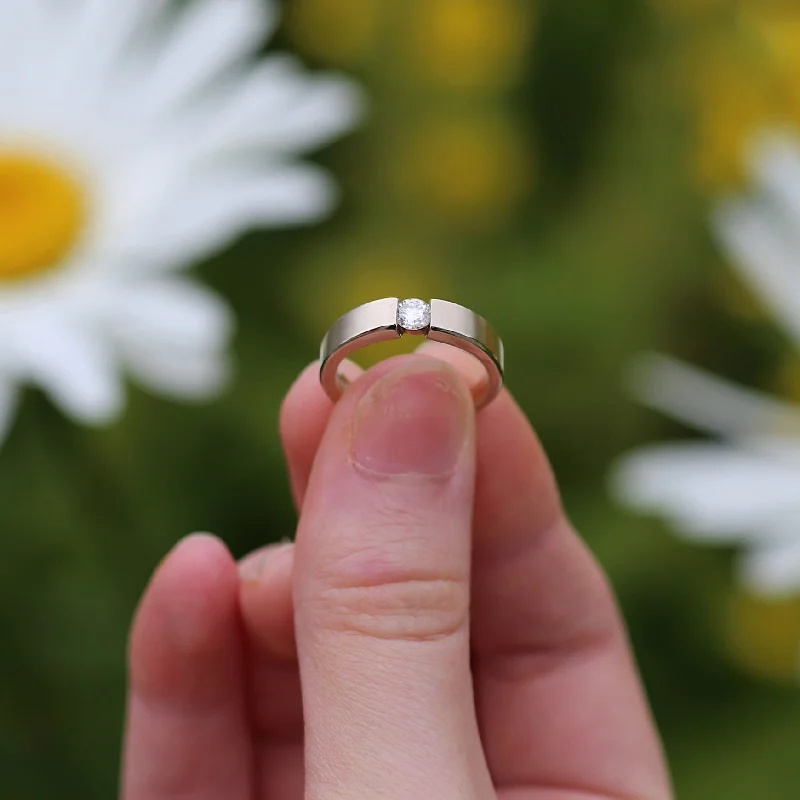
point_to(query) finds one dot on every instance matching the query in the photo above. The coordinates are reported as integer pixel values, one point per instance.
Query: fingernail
(260, 565)
(413, 421)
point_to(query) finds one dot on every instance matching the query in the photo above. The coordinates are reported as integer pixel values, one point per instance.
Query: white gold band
(441, 321)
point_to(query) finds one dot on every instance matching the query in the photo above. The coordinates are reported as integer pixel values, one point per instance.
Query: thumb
(381, 587)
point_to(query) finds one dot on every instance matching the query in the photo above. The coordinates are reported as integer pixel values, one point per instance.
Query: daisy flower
(137, 136)
(743, 488)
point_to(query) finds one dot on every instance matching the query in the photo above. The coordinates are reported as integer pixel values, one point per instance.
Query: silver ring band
(439, 321)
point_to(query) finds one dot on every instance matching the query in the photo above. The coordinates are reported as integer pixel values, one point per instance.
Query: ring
(439, 321)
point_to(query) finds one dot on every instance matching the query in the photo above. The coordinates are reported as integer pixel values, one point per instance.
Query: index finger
(558, 694)
(560, 703)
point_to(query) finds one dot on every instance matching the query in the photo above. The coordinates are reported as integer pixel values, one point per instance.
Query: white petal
(8, 405)
(74, 365)
(766, 251)
(773, 569)
(277, 108)
(710, 492)
(184, 375)
(212, 210)
(172, 335)
(100, 36)
(17, 31)
(168, 313)
(774, 162)
(208, 38)
(26, 60)
(708, 403)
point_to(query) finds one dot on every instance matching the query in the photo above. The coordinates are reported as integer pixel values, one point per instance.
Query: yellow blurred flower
(339, 32)
(777, 31)
(742, 78)
(690, 8)
(366, 270)
(471, 170)
(733, 106)
(764, 635)
(393, 274)
(470, 44)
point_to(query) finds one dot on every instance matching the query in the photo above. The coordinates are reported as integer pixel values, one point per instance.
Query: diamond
(413, 315)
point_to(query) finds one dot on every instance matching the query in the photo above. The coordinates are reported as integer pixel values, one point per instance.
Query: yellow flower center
(42, 213)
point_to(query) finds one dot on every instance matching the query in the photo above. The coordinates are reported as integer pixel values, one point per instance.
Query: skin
(448, 632)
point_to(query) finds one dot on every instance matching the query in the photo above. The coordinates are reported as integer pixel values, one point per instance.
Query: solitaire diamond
(413, 315)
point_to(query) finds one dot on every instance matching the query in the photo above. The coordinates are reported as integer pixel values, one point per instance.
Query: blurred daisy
(745, 488)
(136, 137)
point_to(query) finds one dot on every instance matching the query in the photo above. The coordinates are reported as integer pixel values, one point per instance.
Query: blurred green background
(550, 164)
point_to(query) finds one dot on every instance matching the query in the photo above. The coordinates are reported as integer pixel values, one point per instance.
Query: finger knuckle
(391, 577)
(411, 607)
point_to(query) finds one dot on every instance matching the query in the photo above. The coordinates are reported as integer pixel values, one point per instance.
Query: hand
(431, 635)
